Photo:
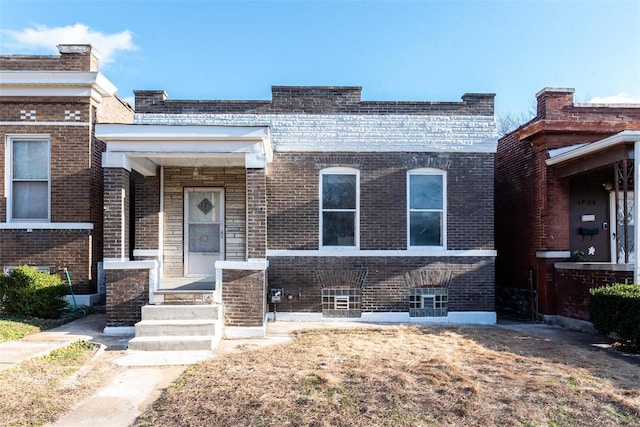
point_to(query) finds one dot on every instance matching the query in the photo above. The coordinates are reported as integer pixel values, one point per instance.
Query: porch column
(256, 213)
(116, 213)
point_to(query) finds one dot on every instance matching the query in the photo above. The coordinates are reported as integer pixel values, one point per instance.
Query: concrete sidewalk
(88, 328)
(139, 382)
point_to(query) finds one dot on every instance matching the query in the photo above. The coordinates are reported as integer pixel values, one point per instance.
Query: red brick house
(562, 182)
(338, 207)
(50, 173)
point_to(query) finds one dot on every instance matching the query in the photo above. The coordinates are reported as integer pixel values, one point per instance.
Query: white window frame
(340, 171)
(427, 171)
(8, 190)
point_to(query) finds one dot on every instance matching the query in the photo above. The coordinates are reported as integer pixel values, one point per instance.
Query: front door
(203, 230)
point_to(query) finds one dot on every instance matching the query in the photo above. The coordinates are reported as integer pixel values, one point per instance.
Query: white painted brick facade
(355, 132)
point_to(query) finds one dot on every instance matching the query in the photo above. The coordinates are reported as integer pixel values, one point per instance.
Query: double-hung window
(339, 207)
(28, 179)
(426, 208)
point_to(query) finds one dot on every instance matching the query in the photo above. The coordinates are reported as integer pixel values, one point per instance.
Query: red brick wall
(116, 207)
(71, 162)
(257, 213)
(293, 198)
(559, 105)
(76, 172)
(53, 248)
(385, 288)
(532, 205)
(243, 296)
(75, 191)
(146, 211)
(113, 110)
(316, 100)
(127, 292)
(65, 62)
(572, 289)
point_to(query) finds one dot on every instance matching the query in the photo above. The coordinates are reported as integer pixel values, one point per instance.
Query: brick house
(562, 183)
(50, 173)
(311, 205)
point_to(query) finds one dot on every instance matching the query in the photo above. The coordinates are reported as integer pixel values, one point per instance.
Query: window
(428, 302)
(28, 170)
(426, 206)
(341, 302)
(339, 207)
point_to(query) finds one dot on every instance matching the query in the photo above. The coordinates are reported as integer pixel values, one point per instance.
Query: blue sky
(417, 50)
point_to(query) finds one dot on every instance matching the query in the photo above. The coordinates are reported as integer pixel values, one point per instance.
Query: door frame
(185, 228)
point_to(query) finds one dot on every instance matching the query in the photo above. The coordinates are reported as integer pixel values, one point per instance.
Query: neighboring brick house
(50, 173)
(378, 211)
(562, 181)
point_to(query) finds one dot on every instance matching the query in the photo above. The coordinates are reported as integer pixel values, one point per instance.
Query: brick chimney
(79, 57)
(551, 102)
(145, 99)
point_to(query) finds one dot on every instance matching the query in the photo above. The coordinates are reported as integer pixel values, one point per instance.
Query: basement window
(39, 268)
(428, 302)
(341, 302)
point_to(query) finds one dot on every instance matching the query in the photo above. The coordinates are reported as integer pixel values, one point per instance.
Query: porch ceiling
(145, 147)
(593, 155)
(192, 160)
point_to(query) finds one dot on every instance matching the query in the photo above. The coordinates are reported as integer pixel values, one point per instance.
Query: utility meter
(275, 295)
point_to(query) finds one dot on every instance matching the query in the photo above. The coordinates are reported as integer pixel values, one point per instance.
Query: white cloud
(41, 37)
(621, 98)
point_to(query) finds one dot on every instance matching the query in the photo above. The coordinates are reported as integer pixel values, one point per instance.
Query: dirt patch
(405, 376)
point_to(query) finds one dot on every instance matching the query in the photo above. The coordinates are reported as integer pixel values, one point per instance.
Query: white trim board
(56, 83)
(455, 317)
(32, 123)
(46, 226)
(382, 253)
(553, 254)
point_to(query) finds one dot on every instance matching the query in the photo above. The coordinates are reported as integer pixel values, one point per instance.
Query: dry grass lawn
(39, 390)
(406, 376)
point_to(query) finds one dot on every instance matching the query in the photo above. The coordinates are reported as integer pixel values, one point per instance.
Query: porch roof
(584, 157)
(145, 147)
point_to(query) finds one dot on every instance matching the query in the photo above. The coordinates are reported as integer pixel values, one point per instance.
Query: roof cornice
(56, 83)
(568, 126)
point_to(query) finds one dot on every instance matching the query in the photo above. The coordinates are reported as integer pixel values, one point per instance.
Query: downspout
(161, 224)
(636, 203)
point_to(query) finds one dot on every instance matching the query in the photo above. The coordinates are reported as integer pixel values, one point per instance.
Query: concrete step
(150, 328)
(173, 343)
(180, 312)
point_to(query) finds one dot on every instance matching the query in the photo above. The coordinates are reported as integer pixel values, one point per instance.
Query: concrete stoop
(177, 328)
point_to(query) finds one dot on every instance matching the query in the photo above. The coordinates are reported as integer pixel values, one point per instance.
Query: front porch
(184, 205)
(597, 181)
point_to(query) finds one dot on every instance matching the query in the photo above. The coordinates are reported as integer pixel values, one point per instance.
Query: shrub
(27, 292)
(616, 308)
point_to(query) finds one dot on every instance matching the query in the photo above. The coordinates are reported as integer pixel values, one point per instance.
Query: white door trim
(613, 226)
